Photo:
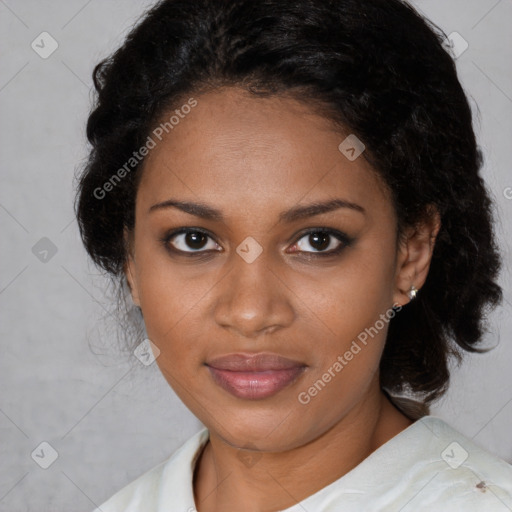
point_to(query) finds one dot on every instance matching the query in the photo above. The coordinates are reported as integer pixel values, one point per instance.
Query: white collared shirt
(429, 466)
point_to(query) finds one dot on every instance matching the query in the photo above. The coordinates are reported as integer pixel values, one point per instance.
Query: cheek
(170, 300)
(347, 326)
(350, 297)
(332, 392)
(347, 337)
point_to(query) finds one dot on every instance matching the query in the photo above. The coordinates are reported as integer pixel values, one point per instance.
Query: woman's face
(261, 272)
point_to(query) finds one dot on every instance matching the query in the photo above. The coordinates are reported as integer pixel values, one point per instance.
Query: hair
(379, 70)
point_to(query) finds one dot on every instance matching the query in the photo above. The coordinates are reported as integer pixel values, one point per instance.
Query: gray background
(62, 381)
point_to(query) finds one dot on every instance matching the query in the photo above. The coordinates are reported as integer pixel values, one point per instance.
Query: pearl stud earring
(412, 292)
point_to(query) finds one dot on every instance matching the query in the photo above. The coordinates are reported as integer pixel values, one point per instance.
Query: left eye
(323, 242)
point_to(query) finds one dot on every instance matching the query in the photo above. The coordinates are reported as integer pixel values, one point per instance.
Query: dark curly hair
(376, 68)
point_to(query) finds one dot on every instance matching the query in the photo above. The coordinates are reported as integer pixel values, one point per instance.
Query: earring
(412, 292)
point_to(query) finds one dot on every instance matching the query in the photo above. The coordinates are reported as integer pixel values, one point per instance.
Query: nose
(252, 299)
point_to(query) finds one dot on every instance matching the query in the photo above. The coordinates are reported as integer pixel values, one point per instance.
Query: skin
(252, 158)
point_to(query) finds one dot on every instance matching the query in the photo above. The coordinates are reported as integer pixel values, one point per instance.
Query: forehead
(233, 148)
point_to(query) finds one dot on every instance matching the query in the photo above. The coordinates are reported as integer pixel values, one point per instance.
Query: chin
(271, 433)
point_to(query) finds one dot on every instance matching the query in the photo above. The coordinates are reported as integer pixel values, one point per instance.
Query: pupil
(319, 241)
(195, 240)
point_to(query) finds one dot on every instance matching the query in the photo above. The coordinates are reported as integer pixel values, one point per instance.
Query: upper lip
(253, 362)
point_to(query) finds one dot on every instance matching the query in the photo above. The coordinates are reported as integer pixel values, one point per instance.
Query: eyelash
(345, 241)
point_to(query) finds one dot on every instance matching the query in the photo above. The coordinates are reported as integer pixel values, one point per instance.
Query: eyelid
(168, 236)
(343, 238)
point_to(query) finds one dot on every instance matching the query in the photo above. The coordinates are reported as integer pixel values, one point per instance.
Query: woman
(291, 191)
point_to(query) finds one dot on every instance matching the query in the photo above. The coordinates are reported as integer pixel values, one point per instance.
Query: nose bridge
(252, 299)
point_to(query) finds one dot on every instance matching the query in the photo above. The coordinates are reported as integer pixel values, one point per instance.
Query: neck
(278, 480)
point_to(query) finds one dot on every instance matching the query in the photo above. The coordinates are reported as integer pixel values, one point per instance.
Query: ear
(415, 254)
(129, 266)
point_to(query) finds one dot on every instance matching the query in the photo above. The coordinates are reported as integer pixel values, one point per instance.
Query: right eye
(189, 241)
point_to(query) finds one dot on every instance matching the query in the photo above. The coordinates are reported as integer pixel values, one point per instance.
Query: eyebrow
(205, 211)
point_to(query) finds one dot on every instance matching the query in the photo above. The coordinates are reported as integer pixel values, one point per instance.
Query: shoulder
(172, 477)
(142, 491)
(464, 473)
(444, 469)
(428, 466)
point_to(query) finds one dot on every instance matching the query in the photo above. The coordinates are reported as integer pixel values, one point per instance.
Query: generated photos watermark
(143, 151)
(304, 397)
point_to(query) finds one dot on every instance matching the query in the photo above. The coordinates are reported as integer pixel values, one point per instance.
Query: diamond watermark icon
(146, 352)
(44, 45)
(249, 458)
(44, 250)
(351, 147)
(249, 249)
(454, 455)
(44, 455)
(455, 44)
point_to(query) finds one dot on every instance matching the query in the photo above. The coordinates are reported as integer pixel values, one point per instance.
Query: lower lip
(255, 385)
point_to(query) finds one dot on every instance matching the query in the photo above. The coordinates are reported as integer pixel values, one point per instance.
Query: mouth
(254, 376)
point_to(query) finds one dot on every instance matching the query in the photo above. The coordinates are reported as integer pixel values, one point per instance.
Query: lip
(254, 376)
